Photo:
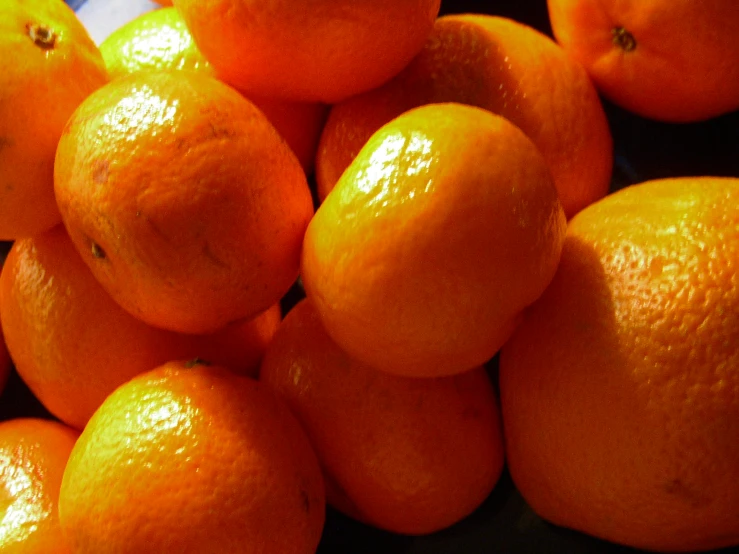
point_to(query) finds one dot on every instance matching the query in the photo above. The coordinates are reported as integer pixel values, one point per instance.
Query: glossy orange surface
(192, 459)
(55, 65)
(441, 231)
(503, 66)
(174, 173)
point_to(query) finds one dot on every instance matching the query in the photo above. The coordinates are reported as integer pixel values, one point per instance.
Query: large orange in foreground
(308, 50)
(33, 455)
(671, 60)
(73, 345)
(410, 455)
(620, 389)
(192, 459)
(441, 231)
(51, 65)
(183, 199)
(503, 66)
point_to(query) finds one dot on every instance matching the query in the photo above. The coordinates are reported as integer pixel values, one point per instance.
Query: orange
(299, 123)
(183, 199)
(192, 460)
(73, 345)
(55, 66)
(33, 455)
(308, 50)
(159, 39)
(503, 66)
(156, 39)
(670, 60)
(408, 455)
(620, 389)
(444, 227)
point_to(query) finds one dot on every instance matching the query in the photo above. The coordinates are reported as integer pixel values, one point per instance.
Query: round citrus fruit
(503, 66)
(73, 345)
(671, 60)
(409, 455)
(444, 227)
(183, 199)
(310, 50)
(620, 389)
(55, 66)
(192, 459)
(159, 39)
(33, 455)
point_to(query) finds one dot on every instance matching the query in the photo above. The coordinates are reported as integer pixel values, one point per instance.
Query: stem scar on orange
(670, 60)
(55, 66)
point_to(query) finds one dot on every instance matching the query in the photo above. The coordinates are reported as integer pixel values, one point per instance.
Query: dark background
(504, 523)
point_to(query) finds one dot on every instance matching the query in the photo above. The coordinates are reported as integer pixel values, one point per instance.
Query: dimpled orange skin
(40, 89)
(183, 200)
(620, 389)
(73, 345)
(192, 460)
(33, 455)
(159, 39)
(445, 226)
(409, 455)
(308, 50)
(680, 64)
(503, 66)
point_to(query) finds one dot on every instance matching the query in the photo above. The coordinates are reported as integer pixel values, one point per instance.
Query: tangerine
(308, 50)
(408, 455)
(56, 66)
(441, 231)
(183, 200)
(670, 60)
(192, 459)
(620, 388)
(73, 345)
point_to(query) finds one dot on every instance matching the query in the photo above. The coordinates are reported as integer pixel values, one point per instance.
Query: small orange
(183, 199)
(442, 230)
(409, 455)
(671, 60)
(73, 345)
(33, 455)
(308, 50)
(156, 39)
(503, 66)
(192, 460)
(159, 39)
(55, 66)
(620, 389)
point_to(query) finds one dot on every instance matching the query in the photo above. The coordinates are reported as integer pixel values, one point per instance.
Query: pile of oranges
(262, 256)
